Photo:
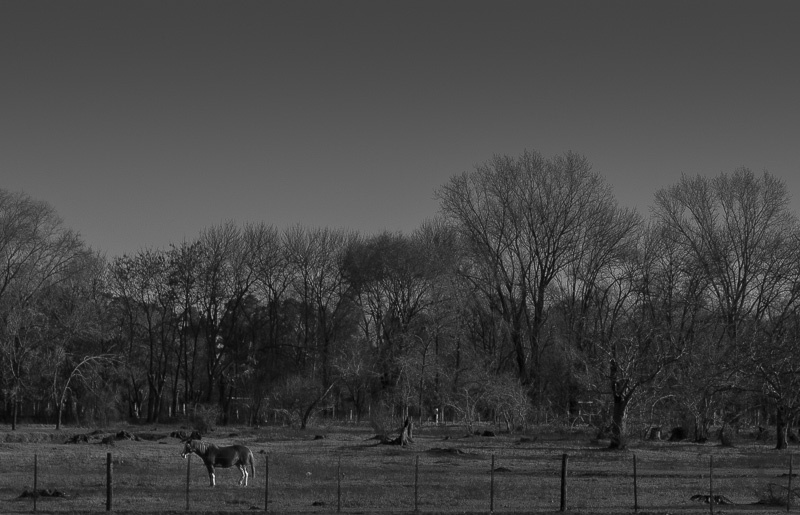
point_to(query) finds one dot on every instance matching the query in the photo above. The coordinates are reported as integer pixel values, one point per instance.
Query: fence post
(266, 484)
(491, 488)
(109, 482)
(35, 480)
(635, 487)
(564, 459)
(789, 491)
(711, 483)
(416, 486)
(188, 477)
(339, 486)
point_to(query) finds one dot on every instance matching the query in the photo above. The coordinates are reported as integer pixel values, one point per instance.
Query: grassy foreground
(327, 469)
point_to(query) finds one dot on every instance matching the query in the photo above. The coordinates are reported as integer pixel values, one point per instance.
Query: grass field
(454, 473)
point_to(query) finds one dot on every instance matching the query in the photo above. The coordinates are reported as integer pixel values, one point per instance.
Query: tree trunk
(522, 362)
(175, 394)
(618, 416)
(154, 398)
(59, 411)
(225, 395)
(14, 411)
(781, 428)
(407, 434)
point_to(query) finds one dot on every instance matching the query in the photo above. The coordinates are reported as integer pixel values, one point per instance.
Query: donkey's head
(188, 447)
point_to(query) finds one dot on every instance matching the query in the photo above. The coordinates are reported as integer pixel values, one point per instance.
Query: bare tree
(524, 222)
(216, 290)
(272, 281)
(315, 258)
(77, 334)
(183, 265)
(77, 371)
(734, 226)
(142, 284)
(677, 305)
(393, 279)
(734, 230)
(773, 366)
(479, 206)
(36, 251)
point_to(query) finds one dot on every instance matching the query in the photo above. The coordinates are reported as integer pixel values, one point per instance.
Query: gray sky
(144, 122)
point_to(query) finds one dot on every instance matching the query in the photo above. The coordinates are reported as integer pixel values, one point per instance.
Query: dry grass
(454, 473)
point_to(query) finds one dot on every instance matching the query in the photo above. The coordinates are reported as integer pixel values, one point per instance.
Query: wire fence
(486, 478)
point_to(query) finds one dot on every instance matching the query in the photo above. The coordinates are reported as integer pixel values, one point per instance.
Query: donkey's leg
(211, 476)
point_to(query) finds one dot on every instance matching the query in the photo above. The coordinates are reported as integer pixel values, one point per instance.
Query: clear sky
(143, 122)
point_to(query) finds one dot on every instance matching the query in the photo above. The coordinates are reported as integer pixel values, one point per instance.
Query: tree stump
(406, 435)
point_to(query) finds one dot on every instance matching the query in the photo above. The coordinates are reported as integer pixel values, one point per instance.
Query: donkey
(213, 456)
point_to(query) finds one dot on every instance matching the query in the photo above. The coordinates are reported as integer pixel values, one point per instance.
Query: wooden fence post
(789, 491)
(188, 477)
(339, 486)
(35, 480)
(416, 486)
(711, 484)
(491, 488)
(109, 482)
(635, 488)
(564, 459)
(266, 484)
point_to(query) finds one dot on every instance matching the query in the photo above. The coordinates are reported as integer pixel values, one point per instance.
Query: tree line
(532, 296)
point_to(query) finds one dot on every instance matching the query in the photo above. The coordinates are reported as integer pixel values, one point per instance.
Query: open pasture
(444, 471)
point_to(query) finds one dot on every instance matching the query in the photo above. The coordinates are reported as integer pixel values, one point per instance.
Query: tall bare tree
(142, 284)
(735, 229)
(215, 290)
(773, 364)
(734, 226)
(184, 261)
(524, 221)
(77, 337)
(36, 251)
(392, 277)
(315, 258)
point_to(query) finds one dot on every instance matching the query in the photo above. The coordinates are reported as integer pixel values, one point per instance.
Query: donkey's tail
(252, 463)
